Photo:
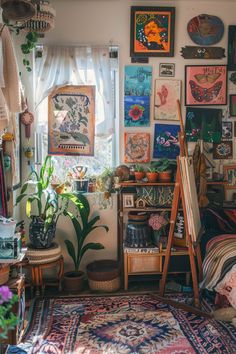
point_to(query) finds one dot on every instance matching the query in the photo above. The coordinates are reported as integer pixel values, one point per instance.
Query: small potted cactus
(152, 174)
(165, 168)
(139, 173)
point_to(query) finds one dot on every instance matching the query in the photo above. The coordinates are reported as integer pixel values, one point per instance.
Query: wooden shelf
(146, 209)
(145, 184)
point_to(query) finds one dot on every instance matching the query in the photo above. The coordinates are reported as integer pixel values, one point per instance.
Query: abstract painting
(203, 123)
(205, 85)
(137, 147)
(152, 31)
(137, 111)
(223, 150)
(227, 130)
(167, 92)
(166, 141)
(71, 121)
(138, 80)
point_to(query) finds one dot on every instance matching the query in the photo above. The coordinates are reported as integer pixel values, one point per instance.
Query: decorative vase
(156, 237)
(40, 238)
(81, 185)
(152, 176)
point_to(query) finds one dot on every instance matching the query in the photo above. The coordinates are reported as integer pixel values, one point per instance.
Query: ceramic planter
(73, 282)
(152, 176)
(139, 175)
(81, 185)
(165, 176)
(37, 235)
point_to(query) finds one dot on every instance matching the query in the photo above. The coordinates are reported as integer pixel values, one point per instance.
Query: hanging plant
(28, 46)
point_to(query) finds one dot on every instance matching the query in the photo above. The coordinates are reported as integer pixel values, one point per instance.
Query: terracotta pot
(73, 282)
(152, 176)
(139, 175)
(164, 176)
(4, 273)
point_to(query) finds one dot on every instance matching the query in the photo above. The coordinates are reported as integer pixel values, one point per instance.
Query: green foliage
(31, 40)
(164, 165)
(83, 226)
(138, 168)
(152, 169)
(8, 320)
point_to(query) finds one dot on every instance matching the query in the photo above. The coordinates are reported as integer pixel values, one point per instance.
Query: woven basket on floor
(106, 285)
(4, 274)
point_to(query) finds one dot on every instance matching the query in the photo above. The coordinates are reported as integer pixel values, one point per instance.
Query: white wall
(104, 22)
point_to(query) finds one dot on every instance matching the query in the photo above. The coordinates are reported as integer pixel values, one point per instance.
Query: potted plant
(165, 169)
(139, 172)
(38, 192)
(83, 226)
(152, 174)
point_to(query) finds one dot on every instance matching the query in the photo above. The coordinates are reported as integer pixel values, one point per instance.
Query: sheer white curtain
(61, 66)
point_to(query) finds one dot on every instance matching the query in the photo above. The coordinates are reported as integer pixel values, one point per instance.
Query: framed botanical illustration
(230, 176)
(223, 150)
(71, 121)
(167, 92)
(166, 141)
(232, 105)
(128, 200)
(167, 69)
(152, 31)
(232, 48)
(137, 147)
(205, 85)
(227, 130)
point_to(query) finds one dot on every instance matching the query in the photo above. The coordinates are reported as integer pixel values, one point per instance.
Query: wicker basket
(4, 274)
(108, 286)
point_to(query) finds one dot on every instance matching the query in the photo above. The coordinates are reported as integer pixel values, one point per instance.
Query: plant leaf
(71, 250)
(20, 197)
(91, 246)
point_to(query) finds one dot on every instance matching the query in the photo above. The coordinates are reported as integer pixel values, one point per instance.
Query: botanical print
(166, 141)
(137, 147)
(167, 92)
(137, 111)
(205, 85)
(227, 130)
(71, 121)
(152, 31)
(203, 123)
(223, 150)
(138, 80)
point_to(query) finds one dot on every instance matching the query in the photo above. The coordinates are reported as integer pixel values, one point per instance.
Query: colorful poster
(138, 80)
(137, 111)
(205, 85)
(204, 124)
(71, 121)
(166, 141)
(137, 147)
(167, 92)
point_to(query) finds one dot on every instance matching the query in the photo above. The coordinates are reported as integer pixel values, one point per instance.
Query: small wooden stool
(40, 259)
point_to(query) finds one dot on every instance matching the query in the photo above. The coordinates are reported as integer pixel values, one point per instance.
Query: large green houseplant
(41, 205)
(83, 226)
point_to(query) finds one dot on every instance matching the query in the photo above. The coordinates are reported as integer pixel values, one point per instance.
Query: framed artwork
(166, 141)
(128, 200)
(138, 80)
(137, 147)
(152, 31)
(167, 69)
(232, 48)
(17, 174)
(232, 105)
(227, 130)
(204, 124)
(229, 172)
(223, 150)
(3, 190)
(137, 111)
(167, 92)
(205, 85)
(71, 121)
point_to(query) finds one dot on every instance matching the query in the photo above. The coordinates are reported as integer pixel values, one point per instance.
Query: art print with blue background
(138, 80)
(166, 141)
(137, 111)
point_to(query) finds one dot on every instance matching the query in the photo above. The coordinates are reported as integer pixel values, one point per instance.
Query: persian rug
(121, 325)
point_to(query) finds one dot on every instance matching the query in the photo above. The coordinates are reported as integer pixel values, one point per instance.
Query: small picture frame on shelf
(167, 69)
(230, 176)
(128, 200)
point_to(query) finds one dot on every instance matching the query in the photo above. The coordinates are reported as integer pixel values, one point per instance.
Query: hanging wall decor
(137, 111)
(71, 121)
(166, 141)
(204, 124)
(223, 150)
(166, 69)
(232, 105)
(232, 48)
(167, 92)
(205, 29)
(137, 147)
(227, 130)
(191, 52)
(152, 31)
(205, 85)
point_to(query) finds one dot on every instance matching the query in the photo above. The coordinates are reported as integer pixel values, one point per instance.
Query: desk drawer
(144, 263)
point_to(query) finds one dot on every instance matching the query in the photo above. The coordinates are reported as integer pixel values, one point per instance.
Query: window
(105, 151)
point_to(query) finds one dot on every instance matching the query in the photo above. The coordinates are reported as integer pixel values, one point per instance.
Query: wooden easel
(193, 248)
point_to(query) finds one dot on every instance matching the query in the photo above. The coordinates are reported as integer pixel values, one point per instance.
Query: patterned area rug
(121, 325)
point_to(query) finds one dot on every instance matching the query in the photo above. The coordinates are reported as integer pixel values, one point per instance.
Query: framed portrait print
(205, 85)
(232, 48)
(227, 130)
(128, 200)
(232, 105)
(152, 31)
(71, 120)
